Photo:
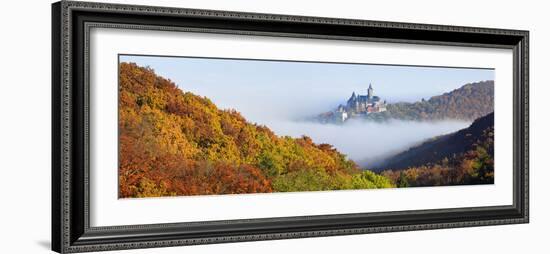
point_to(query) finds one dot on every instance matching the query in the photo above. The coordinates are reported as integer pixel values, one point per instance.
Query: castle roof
(353, 97)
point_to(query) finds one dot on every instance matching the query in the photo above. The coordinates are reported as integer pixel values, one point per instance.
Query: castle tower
(370, 92)
(351, 100)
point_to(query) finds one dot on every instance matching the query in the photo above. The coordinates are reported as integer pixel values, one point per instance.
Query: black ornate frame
(71, 22)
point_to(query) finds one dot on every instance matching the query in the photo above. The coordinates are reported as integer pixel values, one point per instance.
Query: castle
(360, 105)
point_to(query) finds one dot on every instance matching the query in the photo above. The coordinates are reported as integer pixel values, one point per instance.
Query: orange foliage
(176, 143)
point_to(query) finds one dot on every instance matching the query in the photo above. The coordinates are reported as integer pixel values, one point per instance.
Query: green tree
(402, 182)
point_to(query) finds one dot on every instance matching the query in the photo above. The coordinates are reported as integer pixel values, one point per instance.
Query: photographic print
(175, 126)
(210, 126)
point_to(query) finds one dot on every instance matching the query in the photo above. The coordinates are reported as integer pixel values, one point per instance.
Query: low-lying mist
(367, 142)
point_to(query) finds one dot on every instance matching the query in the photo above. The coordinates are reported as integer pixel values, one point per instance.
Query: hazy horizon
(276, 93)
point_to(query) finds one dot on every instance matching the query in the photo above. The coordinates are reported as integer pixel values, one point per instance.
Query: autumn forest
(176, 143)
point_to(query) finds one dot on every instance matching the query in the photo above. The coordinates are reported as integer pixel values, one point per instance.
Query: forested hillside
(463, 157)
(173, 142)
(468, 102)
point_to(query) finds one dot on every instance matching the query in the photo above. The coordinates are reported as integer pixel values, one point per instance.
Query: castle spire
(370, 91)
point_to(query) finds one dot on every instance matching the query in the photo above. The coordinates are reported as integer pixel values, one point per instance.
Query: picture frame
(71, 196)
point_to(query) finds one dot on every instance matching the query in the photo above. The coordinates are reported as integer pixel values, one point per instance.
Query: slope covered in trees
(468, 102)
(463, 157)
(444, 146)
(176, 143)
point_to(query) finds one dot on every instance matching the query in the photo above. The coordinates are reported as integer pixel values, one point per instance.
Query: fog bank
(366, 142)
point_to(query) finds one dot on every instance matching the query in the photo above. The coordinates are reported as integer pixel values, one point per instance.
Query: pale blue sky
(261, 89)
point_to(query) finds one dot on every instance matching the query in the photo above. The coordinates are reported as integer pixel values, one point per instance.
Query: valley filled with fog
(366, 142)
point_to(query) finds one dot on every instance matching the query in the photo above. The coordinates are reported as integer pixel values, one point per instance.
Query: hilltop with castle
(468, 102)
(360, 105)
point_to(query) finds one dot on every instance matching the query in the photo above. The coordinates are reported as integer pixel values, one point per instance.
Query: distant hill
(468, 102)
(446, 147)
(173, 142)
